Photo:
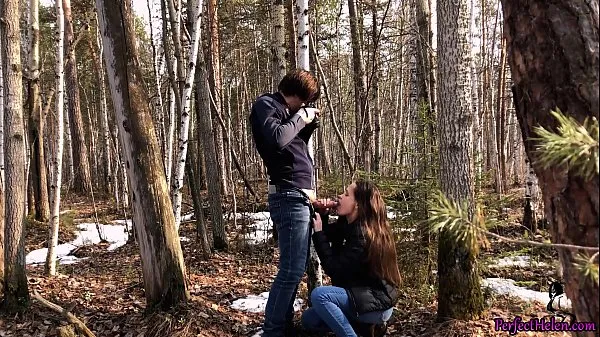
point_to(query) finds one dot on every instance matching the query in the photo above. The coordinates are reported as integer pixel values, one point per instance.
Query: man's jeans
(332, 311)
(290, 212)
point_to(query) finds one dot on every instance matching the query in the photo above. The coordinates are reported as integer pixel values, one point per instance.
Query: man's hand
(308, 114)
(317, 223)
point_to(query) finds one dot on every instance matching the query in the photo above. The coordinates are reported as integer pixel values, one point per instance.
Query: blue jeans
(290, 212)
(332, 311)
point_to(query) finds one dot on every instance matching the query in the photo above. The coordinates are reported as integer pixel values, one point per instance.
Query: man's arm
(268, 121)
(305, 133)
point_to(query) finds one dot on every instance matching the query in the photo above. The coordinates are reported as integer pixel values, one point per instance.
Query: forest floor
(106, 291)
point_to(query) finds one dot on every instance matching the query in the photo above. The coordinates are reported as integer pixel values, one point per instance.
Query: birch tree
(185, 115)
(59, 127)
(561, 41)
(16, 292)
(459, 291)
(315, 272)
(160, 249)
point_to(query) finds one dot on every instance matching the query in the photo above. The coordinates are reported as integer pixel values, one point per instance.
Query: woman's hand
(317, 223)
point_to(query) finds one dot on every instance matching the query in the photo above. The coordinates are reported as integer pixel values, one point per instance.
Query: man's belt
(277, 188)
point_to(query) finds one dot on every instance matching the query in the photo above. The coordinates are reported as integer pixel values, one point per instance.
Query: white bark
(171, 136)
(185, 116)
(57, 158)
(303, 63)
(68, 143)
(104, 115)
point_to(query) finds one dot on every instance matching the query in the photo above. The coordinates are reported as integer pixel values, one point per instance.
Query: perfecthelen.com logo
(540, 324)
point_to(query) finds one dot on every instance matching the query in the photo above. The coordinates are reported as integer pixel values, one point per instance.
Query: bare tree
(16, 292)
(459, 291)
(160, 248)
(59, 128)
(82, 181)
(185, 115)
(36, 121)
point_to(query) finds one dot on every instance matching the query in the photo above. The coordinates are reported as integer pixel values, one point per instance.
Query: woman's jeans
(290, 212)
(332, 311)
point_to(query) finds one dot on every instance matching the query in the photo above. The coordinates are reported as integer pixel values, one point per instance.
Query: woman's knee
(320, 295)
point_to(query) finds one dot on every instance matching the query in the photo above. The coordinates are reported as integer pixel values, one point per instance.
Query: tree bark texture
(459, 291)
(553, 56)
(16, 292)
(82, 181)
(160, 249)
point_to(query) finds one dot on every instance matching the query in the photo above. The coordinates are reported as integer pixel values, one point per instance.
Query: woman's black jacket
(342, 248)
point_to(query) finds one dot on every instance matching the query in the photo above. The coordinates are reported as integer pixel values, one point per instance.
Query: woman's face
(348, 205)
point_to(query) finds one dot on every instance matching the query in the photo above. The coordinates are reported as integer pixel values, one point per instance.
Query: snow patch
(504, 286)
(257, 304)
(88, 234)
(516, 261)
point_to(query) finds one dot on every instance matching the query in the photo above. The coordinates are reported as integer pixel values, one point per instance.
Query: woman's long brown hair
(382, 256)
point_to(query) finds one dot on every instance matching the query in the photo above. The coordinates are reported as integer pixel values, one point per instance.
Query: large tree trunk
(278, 48)
(160, 249)
(82, 181)
(459, 291)
(36, 121)
(16, 290)
(553, 56)
(57, 159)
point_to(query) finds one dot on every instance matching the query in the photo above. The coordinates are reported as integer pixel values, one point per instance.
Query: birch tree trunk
(314, 271)
(459, 291)
(561, 40)
(15, 281)
(185, 116)
(160, 248)
(57, 158)
(36, 121)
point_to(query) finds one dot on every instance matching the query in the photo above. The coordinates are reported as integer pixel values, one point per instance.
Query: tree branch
(69, 316)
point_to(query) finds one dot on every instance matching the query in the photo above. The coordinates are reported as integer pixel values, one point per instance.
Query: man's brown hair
(300, 83)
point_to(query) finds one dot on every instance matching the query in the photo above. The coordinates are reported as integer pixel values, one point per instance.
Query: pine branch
(574, 145)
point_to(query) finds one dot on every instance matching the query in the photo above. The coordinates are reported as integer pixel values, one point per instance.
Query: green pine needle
(575, 145)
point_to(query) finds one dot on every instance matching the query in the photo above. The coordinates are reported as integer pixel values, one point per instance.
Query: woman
(358, 253)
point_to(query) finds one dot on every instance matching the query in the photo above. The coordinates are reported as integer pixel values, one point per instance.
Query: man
(281, 127)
